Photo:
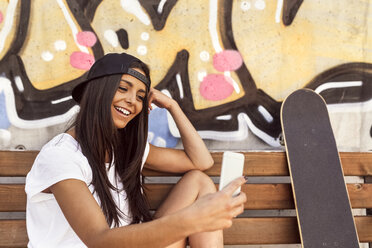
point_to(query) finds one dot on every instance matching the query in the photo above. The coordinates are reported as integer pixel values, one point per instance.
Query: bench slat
(269, 196)
(18, 163)
(13, 198)
(280, 230)
(275, 164)
(260, 196)
(274, 230)
(13, 233)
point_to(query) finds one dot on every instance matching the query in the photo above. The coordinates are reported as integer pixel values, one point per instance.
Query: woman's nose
(130, 98)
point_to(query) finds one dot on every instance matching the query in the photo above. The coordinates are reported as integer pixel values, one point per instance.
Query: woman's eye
(122, 88)
(141, 98)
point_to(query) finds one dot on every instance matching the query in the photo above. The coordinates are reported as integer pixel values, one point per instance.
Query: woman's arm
(209, 213)
(195, 154)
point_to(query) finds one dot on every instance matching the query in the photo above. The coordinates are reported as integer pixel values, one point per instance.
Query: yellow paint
(11, 36)
(324, 34)
(281, 59)
(47, 25)
(186, 28)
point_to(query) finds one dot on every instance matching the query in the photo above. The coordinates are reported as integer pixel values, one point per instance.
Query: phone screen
(232, 168)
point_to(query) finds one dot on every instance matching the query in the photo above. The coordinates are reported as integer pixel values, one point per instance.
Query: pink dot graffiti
(216, 87)
(228, 60)
(86, 38)
(1, 17)
(82, 61)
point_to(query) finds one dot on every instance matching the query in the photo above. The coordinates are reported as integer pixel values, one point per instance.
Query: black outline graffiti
(123, 38)
(290, 9)
(33, 104)
(21, 34)
(89, 8)
(158, 20)
(343, 73)
(205, 119)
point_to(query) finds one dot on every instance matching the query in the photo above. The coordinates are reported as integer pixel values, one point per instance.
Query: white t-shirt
(60, 159)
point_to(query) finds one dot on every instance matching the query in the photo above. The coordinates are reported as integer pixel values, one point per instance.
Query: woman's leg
(191, 186)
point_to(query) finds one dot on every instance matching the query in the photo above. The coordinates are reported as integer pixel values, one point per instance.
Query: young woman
(85, 187)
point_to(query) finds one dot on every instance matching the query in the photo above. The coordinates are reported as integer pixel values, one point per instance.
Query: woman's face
(128, 100)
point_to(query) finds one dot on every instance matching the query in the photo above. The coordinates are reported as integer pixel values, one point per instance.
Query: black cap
(110, 64)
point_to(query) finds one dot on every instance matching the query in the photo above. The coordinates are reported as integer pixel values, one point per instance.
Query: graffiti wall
(228, 63)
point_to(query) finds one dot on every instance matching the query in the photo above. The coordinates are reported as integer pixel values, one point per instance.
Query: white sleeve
(53, 165)
(145, 154)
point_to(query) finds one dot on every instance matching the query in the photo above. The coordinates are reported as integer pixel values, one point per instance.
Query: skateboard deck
(322, 203)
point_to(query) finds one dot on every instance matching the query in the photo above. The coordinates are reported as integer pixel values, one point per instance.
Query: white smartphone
(232, 168)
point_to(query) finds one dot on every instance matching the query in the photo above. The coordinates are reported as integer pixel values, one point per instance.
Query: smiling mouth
(123, 111)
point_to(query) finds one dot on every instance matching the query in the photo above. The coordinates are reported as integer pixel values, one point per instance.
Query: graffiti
(229, 64)
(41, 89)
(290, 9)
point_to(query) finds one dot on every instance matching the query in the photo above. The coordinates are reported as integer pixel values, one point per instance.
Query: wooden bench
(267, 229)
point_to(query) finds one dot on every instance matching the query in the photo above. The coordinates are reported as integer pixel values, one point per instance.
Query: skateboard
(322, 203)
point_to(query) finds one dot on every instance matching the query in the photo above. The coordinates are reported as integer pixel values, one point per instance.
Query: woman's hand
(159, 99)
(195, 154)
(216, 211)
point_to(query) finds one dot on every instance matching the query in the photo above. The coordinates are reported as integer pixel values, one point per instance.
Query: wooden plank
(260, 196)
(356, 163)
(16, 163)
(280, 230)
(273, 163)
(273, 230)
(364, 228)
(256, 164)
(13, 233)
(269, 196)
(13, 198)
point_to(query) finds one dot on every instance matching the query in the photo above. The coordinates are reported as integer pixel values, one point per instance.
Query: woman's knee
(202, 180)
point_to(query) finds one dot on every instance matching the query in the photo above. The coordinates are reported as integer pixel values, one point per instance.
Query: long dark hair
(98, 137)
